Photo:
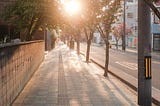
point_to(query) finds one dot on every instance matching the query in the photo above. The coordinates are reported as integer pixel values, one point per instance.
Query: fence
(18, 62)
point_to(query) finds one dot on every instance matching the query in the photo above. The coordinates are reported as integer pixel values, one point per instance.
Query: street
(124, 61)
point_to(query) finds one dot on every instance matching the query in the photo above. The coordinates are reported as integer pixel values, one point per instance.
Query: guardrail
(18, 62)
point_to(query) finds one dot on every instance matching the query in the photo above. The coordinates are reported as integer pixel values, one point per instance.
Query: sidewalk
(65, 79)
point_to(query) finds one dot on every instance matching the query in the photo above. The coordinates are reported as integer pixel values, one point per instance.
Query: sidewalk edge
(154, 99)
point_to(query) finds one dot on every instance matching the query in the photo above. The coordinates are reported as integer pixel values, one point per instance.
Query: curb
(124, 81)
(154, 100)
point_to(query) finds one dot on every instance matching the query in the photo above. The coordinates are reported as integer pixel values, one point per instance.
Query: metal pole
(144, 52)
(124, 27)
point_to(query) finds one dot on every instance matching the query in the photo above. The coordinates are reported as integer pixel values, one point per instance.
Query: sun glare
(72, 7)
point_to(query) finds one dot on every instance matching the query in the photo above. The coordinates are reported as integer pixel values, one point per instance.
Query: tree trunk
(116, 44)
(78, 47)
(28, 37)
(123, 43)
(88, 50)
(107, 59)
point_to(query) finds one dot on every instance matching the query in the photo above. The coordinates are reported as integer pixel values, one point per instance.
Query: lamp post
(124, 27)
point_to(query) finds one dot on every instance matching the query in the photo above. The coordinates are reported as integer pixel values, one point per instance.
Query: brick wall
(18, 62)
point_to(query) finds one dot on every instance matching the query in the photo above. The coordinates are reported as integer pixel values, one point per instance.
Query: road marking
(131, 66)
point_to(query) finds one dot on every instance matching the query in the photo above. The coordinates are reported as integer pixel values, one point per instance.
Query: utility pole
(144, 54)
(124, 27)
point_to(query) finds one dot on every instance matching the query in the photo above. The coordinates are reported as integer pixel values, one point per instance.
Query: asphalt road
(125, 61)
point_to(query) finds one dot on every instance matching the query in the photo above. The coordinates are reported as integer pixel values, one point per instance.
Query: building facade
(131, 25)
(155, 22)
(132, 22)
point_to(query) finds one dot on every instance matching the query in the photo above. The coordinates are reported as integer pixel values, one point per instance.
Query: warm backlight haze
(72, 7)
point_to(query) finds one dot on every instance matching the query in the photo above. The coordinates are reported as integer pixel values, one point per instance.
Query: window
(129, 15)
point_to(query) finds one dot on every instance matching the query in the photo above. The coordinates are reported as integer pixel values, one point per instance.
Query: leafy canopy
(29, 15)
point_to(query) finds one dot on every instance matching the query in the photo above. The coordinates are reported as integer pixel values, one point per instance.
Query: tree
(91, 10)
(77, 35)
(117, 35)
(70, 25)
(151, 3)
(118, 32)
(28, 16)
(86, 20)
(107, 18)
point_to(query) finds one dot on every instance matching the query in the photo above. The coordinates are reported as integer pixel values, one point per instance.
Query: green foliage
(29, 15)
(118, 30)
(108, 16)
(154, 0)
(91, 11)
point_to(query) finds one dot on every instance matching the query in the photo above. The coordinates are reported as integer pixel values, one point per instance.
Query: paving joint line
(62, 86)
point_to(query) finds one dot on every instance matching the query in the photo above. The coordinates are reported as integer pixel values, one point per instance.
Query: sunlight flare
(72, 7)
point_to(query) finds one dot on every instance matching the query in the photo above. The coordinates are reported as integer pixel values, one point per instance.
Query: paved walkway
(65, 79)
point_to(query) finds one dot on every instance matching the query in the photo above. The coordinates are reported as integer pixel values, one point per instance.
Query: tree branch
(154, 9)
(101, 31)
